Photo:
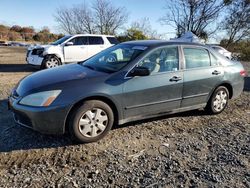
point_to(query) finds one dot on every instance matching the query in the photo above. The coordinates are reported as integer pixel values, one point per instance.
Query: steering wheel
(111, 58)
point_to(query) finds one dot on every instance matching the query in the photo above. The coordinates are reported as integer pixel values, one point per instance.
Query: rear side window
(113, 40)
(196, 57)
(95, 40)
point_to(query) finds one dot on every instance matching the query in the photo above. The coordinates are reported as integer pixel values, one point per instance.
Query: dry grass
(12, 68)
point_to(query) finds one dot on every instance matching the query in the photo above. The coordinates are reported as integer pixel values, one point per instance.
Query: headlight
(40, 99)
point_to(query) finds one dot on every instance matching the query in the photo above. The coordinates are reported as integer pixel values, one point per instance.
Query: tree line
(19, 33)
(205, 18)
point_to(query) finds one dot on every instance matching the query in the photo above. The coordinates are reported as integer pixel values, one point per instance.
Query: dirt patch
(189, 149)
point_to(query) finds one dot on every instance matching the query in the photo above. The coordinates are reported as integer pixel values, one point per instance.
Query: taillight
(243, 73)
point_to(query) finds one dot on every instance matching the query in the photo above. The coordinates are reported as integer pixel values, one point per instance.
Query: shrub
(242, 48)
(13, 36)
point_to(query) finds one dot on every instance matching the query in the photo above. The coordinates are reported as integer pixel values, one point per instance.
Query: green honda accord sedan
(127, 82)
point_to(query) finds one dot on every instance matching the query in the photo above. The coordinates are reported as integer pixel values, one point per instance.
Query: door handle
(175, 79)
(215, 72)
(82, 47)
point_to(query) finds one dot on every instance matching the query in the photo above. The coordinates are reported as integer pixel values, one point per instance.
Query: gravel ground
(190, 149)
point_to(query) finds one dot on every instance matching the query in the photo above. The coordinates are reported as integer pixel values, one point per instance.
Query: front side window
(162, 60)
(114, 58)
(79, 41)
(95, 40)
(196, 57)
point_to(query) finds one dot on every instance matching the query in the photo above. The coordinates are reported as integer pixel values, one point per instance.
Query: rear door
(78, 51)
(96, 44)
(159, 92)
(202, 73)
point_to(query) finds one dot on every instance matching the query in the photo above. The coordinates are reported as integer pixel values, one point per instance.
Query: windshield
(61, 40)
(114, 58)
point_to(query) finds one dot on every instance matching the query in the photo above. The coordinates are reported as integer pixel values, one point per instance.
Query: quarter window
(214, 60)
(162, 60)
(196, 57)
(95, 40)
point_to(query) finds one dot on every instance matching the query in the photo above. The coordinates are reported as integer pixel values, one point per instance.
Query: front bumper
(49, 120)
(34, 60)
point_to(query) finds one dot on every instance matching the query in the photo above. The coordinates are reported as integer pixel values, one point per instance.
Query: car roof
(94, 35)
(153, 43)
(216, 46)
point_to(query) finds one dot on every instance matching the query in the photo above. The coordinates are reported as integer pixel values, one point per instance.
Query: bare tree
(145, 27)
(102, 18)
(107, 17)
(83, 17)
(237, 22)
(65, 18)
(193, 15)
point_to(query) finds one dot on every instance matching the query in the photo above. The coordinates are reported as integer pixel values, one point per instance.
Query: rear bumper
(238, 88)
(49, 120)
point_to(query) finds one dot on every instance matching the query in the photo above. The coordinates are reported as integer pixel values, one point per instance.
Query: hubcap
(220, 101)
(93, 122)
(52, 62)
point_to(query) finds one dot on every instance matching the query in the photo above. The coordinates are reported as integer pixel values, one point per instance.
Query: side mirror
(139, 71)
(69, 44)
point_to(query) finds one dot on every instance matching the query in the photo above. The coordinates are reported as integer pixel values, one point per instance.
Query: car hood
(47, 46)
(55, 76)
(38, 46)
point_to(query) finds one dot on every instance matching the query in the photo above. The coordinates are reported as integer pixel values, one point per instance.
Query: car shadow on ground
(11, 68)
(14, 137)
(197, 113)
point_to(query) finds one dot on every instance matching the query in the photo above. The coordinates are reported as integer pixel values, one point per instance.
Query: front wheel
(91, 121)
(218, 101)
(51, 61)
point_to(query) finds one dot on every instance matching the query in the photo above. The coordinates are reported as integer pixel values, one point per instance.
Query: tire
(51, 61)
(91, 121)
(218, 101)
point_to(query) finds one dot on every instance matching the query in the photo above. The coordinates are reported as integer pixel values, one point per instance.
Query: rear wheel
(91, 121)
(218, 101)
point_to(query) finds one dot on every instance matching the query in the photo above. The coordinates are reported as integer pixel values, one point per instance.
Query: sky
(41, 13)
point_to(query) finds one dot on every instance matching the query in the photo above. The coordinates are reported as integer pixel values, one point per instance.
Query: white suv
(71, 48)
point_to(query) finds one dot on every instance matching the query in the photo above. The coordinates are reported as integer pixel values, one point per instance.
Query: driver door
(159, 92)
(78, 51)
